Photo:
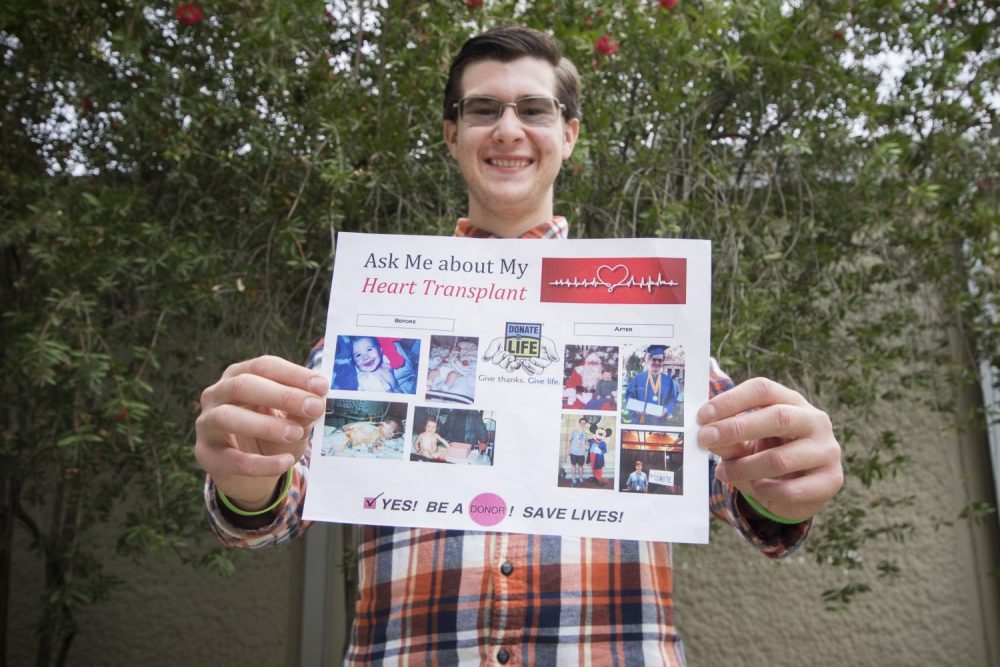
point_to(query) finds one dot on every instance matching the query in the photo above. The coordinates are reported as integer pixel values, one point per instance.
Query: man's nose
(508, 126)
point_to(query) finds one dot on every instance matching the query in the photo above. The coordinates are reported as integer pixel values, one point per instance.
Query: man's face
(583, 423)
(656, 363)
(638, 466)
(509, 167)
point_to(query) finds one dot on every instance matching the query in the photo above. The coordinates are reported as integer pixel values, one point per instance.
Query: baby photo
(450, 435)
(590, 378)
(587, 452)
(364, 429)
(651, 462)
(376, 364)
(654, 385)
(451, 369)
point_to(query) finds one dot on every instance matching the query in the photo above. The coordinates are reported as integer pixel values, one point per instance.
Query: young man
(578, 449)
(511, 118)
(653, 389)
(637, 481)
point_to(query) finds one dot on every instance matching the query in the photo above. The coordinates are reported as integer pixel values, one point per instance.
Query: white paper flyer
(516, 386)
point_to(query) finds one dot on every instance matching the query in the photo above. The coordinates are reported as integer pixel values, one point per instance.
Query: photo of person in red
(590, 378)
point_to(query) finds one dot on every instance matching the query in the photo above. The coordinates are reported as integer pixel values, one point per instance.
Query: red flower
(838, 35)
(86, 103)
(190, 13)
(669, 4)
(472, 4)
(605, 46)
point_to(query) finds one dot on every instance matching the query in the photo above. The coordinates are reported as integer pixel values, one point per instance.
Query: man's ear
(571, 130)
(450, 130)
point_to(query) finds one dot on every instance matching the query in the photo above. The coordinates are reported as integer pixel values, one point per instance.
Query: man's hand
(774, 446)
(254, 425)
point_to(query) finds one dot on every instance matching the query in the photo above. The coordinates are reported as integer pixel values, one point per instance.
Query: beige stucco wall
(739, 609)
(734, 607)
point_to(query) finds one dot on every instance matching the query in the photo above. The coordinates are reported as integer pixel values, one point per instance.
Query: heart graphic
(612, 276)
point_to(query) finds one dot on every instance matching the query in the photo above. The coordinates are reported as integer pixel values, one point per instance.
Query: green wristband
(277, 501)
(761, 510)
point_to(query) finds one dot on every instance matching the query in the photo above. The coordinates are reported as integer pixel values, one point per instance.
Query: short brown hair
(506, 45)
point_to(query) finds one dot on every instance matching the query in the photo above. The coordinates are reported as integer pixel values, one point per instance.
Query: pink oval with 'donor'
(487, 509)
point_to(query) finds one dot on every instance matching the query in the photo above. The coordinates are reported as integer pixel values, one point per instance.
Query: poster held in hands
(514, 386)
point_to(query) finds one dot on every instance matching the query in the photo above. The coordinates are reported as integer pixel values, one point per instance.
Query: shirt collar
(556, 228)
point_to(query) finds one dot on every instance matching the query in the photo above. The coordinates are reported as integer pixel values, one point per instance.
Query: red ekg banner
(649, 280)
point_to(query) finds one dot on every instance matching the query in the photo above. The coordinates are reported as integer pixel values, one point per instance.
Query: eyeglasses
(536, 111)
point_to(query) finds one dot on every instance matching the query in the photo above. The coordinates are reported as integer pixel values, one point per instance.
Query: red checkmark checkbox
(370, 503)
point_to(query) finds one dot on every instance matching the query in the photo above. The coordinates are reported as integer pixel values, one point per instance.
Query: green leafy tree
(172, 177)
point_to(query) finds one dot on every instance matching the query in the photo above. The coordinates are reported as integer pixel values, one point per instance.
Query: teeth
(510, 163)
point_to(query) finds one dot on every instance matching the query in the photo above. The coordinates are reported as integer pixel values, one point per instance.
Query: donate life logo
(522, 348)
(632, 280)
(523, 339)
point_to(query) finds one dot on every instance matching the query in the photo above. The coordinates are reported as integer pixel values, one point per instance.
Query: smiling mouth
(508, 164)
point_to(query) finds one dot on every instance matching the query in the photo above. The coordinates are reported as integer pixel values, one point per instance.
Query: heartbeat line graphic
(613, 277)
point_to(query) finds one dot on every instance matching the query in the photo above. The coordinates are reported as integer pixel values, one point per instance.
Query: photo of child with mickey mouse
(588, 457)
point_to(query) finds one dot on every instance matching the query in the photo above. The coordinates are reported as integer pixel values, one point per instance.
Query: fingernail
(317, 385)
(708, 436)
(294, 432)
(707, 414)
(313, 407)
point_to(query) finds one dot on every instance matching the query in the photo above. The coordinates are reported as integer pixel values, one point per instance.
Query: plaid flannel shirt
(447, 597)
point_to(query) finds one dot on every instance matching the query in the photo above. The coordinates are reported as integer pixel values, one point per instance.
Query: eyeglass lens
(530, 110)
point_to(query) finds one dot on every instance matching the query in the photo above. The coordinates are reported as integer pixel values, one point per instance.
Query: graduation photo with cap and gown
(652, 396)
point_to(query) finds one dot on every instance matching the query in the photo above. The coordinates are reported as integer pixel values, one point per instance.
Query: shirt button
(506, 568)
(503, 655)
